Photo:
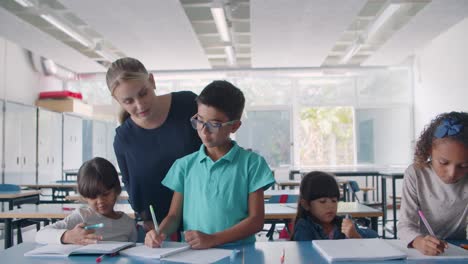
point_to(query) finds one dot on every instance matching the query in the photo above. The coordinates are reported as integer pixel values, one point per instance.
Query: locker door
(55, 160)
(12, 144)
(43, 145)
(1, 134)
(28, 120)
(50, 146)
(72, 142)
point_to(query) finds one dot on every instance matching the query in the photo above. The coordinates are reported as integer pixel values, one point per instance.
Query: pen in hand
(155, 221)
(95, 226)
(428, 227)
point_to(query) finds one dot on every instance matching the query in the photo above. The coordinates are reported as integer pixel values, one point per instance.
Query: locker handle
(24, 160)
(47, 159)
(17, 160)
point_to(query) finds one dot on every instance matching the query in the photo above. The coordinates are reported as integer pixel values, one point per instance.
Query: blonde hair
(125, 69)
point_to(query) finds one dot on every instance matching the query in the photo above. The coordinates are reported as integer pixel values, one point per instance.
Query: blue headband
(448, 127)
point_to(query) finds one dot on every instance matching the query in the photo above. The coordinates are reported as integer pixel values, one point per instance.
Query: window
(326, 136)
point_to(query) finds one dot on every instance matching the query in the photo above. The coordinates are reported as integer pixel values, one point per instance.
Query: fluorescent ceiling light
(231, 56)
(389, 11)
(219, 16)
(106, 55)
(351, 52)
(24, 3)
(67, 30)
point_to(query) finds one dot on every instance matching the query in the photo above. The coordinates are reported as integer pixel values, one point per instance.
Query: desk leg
(384, 204)
(374, 224)
(8, 233)
(394, 208)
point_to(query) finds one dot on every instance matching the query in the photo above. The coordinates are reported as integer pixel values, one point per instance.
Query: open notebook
(178, 252)
(357, 250)
(452, 252)
(57, 250)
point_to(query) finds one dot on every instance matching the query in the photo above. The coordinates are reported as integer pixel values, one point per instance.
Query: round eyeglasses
(212, 127)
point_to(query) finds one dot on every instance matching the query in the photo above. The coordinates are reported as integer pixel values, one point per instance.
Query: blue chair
(285, 198)
(9, 188)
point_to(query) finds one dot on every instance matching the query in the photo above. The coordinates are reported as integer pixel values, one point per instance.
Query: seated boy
(218, 189)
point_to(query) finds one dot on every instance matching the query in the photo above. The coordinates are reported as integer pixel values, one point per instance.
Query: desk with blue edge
(259, 252)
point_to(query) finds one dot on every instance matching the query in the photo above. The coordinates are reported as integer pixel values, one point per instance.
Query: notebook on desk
(357, 250)
(452, 252)
(58, 250)
(178, 252)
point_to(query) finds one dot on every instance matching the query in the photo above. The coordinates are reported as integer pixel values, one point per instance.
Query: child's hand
(154, 240)
(348, 228)
(78, 235)
(429, 245)
(198, 240)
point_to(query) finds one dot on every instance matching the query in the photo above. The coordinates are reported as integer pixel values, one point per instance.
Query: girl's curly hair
(426, 139)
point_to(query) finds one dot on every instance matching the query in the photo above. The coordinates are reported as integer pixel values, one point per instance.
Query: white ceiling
(433, 20)
(166, 34)
(298, 33)
(157, 32)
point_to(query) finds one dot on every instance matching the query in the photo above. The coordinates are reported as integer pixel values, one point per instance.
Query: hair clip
(448, 127)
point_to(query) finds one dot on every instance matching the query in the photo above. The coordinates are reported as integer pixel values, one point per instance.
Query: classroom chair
(354, 188)
(9, 188)
(284, 198)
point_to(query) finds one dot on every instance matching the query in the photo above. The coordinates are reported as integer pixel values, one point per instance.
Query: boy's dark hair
(97, 176)
(225, 97)
(427, 137)
(315, 185)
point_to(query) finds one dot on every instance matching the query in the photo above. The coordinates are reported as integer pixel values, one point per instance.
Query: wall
(19, 80)
(441, 79)
(391, 134)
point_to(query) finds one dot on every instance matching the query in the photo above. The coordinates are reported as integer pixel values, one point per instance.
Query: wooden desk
(268, 193)
(392, 176)
(56, 187)
(350, 171)
(78, 198)
(287, 211)
(296, 183)
(18, 198)
(46, 212)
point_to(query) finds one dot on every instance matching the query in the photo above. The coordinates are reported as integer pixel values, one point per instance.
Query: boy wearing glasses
(218, 189)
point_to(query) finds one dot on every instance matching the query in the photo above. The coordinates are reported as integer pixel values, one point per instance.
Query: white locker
(20, 143)
(49, 146)
(72, 142)
(2, 103)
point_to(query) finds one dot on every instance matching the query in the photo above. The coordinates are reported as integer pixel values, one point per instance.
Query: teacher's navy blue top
(145, 155)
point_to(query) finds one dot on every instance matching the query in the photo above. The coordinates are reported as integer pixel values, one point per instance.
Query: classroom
(134, 114)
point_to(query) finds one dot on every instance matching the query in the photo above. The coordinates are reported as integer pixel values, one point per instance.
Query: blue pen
(95, 226)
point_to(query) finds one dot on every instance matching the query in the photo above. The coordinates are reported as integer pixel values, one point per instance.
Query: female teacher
(154, 131)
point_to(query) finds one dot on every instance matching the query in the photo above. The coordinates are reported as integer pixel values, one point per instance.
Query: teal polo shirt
(216, 193)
